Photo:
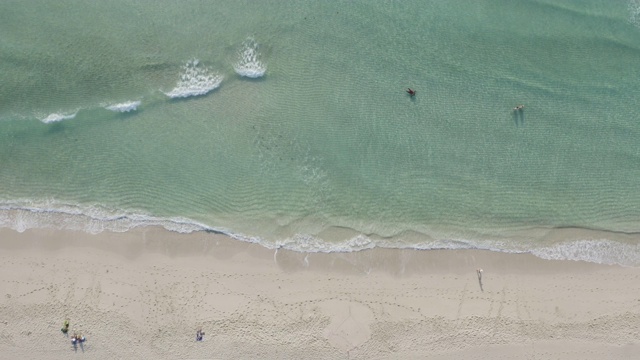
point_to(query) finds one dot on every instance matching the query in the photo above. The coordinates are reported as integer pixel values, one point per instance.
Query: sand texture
(145, 293)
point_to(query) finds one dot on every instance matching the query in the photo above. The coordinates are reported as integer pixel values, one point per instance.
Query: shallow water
(289, 125)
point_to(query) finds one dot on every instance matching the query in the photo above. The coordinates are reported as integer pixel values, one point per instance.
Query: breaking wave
(56, 117)
(195, 80)
(249, 63)
(124, 107)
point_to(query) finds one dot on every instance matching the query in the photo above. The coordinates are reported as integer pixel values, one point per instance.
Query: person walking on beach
(199, 335)
(65, 327)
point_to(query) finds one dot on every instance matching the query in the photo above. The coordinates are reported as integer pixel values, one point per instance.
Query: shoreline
(564, 243)
(144, 293)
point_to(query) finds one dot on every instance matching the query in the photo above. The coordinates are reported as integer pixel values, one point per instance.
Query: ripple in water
(634, 12)
(195, 80)
(249, 63)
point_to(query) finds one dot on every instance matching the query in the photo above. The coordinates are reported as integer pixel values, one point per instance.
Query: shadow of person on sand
(65, 328)
(78, 342)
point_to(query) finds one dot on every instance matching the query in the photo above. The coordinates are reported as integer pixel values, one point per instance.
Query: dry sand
(143, 294)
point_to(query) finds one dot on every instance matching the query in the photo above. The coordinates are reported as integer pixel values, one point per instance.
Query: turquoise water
(288, 123)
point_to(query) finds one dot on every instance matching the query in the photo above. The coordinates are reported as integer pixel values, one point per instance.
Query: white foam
(124, 107)
(249, 63)
(600, 251)
(309, 243)
(55, 117)
(195, 80)
(21, 215)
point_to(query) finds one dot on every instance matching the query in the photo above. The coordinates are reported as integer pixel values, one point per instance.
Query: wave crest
(249, 63)
(195, 80)
(124, 107)
(56, 117)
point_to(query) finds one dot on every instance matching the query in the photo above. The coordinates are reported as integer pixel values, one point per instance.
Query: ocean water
(288, 124)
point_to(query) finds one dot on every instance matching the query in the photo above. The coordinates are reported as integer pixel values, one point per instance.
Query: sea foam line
(124, 107)
(195, 80)
(249, 63)
(601, 251)
(21, 215)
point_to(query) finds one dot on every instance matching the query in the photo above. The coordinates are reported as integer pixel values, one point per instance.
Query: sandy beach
(144, 294)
